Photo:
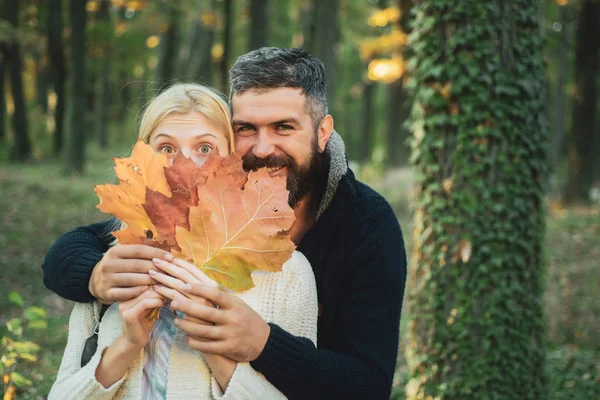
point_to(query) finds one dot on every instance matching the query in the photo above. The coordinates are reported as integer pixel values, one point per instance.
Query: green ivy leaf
(15, 298)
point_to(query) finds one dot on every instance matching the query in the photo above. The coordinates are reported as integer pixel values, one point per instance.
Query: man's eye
(205, 149)
(286, 127)
(245, 128)
(167, 149)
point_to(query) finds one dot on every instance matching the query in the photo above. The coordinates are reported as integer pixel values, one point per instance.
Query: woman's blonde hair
(183, 98)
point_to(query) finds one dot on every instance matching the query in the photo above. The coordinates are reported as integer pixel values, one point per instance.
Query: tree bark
(75, 157)
(476, 328)
(103, 82)
(169, 45)
(259, 24)
(57, 71)
(399, 104)
(227, 14)
(325, 36)
(581, 156)
(368, 131)
(21, 146)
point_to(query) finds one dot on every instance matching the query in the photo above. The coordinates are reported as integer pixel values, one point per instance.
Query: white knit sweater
(287, 298)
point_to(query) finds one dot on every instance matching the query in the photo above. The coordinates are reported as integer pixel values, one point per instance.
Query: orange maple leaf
(239, 225)
(143, 171)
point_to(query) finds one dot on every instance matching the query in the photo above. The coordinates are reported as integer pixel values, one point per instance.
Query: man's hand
(122, 274)
(238, 333)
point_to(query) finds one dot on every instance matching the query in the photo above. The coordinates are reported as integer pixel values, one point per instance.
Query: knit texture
(287, 298)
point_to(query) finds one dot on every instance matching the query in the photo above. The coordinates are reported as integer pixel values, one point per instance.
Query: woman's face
(191, 134)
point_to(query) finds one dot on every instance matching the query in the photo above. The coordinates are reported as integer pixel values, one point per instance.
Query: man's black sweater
(357, 253)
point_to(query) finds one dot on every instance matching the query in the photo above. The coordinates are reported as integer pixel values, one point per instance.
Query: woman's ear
(325, 129)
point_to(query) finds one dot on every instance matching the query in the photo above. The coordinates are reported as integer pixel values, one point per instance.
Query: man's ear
(325, 129)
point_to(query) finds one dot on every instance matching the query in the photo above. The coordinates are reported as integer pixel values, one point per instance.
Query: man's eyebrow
(286, 121)
(238, 122)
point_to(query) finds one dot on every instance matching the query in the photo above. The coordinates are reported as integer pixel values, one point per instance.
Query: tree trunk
(75, 157)
(21, 146)
(368, 131)
(558, 139)
(581, 155)
(103, 82)
(204, 66)
(199, 58)
(399, 104)
(169, 45)
(259, 23)
(479, 152)
(41, 81)
(3, 63)
(57, 71)
(325, 35)
(227, 14)
(281, 34)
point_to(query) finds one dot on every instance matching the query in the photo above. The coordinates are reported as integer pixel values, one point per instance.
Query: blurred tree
(581, 155)
(40, 55)
(57, 70)
(259, 24)
(479, 152)
(103, 62)
(201, 39)
(169, 44)
(365, 147)
(75, 155)
(227, 21)
(398, 100)
(3, 63)
(21, 147)
(323, 40)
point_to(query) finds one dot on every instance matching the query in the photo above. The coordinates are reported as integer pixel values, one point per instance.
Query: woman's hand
(137, 321)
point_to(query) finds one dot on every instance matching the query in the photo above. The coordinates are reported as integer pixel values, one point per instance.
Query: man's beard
(301, 180)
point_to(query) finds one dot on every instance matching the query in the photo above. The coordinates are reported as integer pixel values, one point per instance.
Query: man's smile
(276, 171)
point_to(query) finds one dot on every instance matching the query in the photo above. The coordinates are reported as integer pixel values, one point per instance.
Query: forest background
(74, 75)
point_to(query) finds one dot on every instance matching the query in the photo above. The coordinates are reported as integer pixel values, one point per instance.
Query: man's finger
(200, 311)
(207, 347)
(135, 266)
(125, 294)
(126, 279)
(211, 293)
(199, 331)
(139, 251)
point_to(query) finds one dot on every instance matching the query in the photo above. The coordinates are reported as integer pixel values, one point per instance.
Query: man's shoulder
(364, 202)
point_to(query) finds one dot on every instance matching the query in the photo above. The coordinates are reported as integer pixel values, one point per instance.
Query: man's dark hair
(273, 67)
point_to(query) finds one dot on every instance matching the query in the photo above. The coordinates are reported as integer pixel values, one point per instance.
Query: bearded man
(346, 230)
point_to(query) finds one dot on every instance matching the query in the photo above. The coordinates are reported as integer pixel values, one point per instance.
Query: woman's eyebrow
(195, 137)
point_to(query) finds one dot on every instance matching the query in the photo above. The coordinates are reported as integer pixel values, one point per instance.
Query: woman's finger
(193, 270)
(175, 271)
(167, 280)
(199, 311)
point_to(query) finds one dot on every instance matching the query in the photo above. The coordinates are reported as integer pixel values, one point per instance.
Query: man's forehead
(268, 101)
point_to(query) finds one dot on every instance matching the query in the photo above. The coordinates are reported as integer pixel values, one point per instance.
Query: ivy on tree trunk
(479, 153)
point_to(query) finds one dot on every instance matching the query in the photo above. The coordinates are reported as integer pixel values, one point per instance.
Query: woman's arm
(73, 381)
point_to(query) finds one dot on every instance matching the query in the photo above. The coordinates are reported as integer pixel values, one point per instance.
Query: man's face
(272, 129)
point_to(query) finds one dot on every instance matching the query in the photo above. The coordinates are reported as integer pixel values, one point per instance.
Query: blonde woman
(137, 357)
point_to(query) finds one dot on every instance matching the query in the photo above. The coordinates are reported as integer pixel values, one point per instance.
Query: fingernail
(157, 261)
(186, 287)
(169, 257)
(174, 304)
(152, 272)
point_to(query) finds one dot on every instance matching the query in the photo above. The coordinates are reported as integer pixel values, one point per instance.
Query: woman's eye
(167, 149)
(205, 149)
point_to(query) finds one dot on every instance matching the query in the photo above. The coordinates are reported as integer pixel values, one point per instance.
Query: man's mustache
(251, 163)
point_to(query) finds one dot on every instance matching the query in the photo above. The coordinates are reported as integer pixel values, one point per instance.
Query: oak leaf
(241, 224)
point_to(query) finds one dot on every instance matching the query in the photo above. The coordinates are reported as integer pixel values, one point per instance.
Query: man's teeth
(273, 169)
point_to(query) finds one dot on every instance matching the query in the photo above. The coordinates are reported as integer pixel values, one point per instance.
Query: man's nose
(264, 145)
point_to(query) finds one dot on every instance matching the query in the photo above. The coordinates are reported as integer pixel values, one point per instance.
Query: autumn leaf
(239, 225)
(143, 171)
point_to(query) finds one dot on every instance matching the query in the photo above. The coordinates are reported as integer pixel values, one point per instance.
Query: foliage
(194, 211)
(477, 329)
(14, 349)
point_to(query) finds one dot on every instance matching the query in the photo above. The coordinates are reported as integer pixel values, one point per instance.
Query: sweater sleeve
(360, 363)
(297, 312)
(73, 381)
(70, 261)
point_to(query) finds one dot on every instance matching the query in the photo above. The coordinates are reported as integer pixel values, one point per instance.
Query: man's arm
(70, 261)
(361, 363)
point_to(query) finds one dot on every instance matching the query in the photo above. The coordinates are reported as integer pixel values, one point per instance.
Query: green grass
(38, 204)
